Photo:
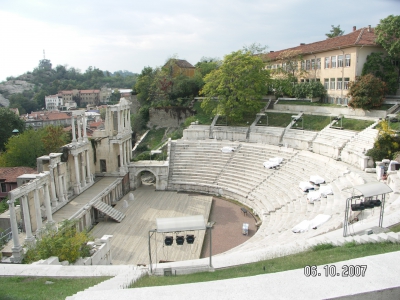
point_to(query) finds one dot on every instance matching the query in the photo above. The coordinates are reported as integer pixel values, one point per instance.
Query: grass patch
(32, 288)
(307, 103)
(354, 124)
(320, 256)
(312, 122)
(201, 115)
(395, 228)
(153, 138)
(275, 119)
(247, 120)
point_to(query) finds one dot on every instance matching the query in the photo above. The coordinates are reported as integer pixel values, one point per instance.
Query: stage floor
(129, 244)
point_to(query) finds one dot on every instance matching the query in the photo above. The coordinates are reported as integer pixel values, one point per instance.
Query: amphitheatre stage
(130, 237)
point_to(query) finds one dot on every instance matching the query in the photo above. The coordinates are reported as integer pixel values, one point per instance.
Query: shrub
(66, 243)
(367, 92)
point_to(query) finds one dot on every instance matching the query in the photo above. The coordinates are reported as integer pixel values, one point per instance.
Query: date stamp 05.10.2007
(332, 271)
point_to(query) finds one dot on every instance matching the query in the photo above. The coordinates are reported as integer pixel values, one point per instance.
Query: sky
(130, 34)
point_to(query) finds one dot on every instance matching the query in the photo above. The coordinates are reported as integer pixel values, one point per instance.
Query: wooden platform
(129, 244)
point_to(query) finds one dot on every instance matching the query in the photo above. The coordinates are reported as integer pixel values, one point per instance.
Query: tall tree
(388, 35)
(8, 122)
(54, 137)
(237, 87)
(335, 31)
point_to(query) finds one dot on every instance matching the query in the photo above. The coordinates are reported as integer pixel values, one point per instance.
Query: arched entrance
(157, 168)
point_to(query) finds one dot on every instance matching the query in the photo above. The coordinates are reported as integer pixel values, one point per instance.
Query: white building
(53, 102)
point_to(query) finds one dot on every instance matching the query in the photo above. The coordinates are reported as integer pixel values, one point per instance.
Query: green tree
(335, 31)
(381, 66)
(367, 92)
(8, 122)
(388, 35)
(23, 149)
(54, 137)
(143, 85)
(237, 87)
(115, 96)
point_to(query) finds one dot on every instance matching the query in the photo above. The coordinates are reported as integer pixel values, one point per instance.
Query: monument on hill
(44, 64)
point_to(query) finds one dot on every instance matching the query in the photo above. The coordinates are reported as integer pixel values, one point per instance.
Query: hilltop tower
(44, 64)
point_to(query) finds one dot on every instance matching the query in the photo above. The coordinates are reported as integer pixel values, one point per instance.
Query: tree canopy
(380, 65)
(23, 149)
(334, 32)
(237, 86)
(367, 92)
(8, 122)
(388, 35)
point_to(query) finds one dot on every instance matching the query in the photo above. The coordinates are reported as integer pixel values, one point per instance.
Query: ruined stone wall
(168, 116)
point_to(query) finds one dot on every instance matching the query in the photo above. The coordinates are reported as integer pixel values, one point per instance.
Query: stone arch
(160, 172)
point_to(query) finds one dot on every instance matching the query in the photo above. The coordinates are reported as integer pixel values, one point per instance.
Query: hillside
(27, 91)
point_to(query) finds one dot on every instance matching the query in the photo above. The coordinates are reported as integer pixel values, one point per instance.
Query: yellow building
(180, 66)
(334, 62)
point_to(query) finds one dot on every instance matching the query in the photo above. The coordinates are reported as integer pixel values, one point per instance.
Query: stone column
(88, 175)
(60, 187)
(83, 169)
(84, 129)
(47, 204)
(73, 129)
(37, 211)
(119, 120)
(124, 152)
(77, 179)
(65, 188)
(27, 220)
(79, 130)
(17, 251)
(121, 157)
(52, 187)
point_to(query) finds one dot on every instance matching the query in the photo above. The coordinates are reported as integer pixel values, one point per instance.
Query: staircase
(109, 211)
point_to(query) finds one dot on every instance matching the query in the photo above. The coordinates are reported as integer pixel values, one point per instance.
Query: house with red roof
(8, 178)
(334, 62)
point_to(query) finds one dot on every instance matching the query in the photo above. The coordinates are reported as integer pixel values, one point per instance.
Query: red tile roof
(48, 115)
(11, 174)
(96, 124)
(358, 37)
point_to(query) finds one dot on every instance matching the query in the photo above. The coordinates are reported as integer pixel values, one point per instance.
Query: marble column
(60, 187)
(121, 157)
(29, 238)
(119, 121)
(124, 153)
(17, 251)
(85, 138)
(38, 213)
(77, 179)
(82, 155)
(53, 196)
(88, 175)
(79, 130)
(64, 180)
(47, 204)
(73, 129)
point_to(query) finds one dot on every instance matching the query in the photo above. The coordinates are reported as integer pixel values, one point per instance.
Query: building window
(333, 83)
(301, 80)
(339, 84)
(327, 62)
(313, 64)
(103, 166)
(3, 187)
(326, 83)
(303, 65)
(307, 80)
(318, 63)
(346, 83)
(318, 80)
(308, 64)
(348, 58)
(333, 61)
(340, 61)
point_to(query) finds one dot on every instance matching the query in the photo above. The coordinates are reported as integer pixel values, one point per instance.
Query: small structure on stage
(366, 196)
(177, 226)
